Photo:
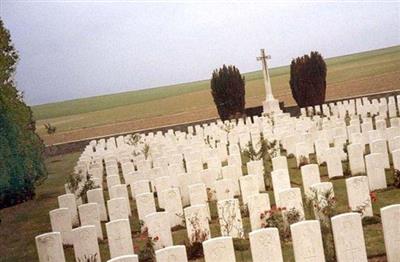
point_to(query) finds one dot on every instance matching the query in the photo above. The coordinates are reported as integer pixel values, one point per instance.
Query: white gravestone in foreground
(248, 187)
(69, 201)
(375, 171)
(224, 189)
(197, 223)
(49, 247)
(121, 191)
(310, 175)
(97, 196)
(280, 181)
(117, 208)
(358, 195)
(391, 231)
(89, 215)
(119, 238)
(219, 249)
(290, 199)
(257, 205)
(334, 163)
(265, 245)
(356, 158)
(60, 220)
(349, 238)
(230, 219)
(172, 254)
(159, 228)
(145, 205)
(307, 241)
(86, 247)
(173, 205)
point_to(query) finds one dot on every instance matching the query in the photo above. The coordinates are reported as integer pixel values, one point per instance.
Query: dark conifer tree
(21, 158)
(228, 91)
(308, 79)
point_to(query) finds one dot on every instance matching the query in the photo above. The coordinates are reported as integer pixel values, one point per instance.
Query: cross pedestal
(270, 105)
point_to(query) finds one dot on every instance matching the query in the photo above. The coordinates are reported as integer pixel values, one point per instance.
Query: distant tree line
(21, 150)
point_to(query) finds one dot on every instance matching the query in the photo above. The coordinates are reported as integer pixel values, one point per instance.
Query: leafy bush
(21, 150)
(77, 185)
(308, 79)
(227, 89)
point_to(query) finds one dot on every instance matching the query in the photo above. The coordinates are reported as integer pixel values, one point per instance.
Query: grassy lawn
(356, 74)
(21, 223)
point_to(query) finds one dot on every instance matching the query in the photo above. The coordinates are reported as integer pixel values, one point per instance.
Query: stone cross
(267, 83)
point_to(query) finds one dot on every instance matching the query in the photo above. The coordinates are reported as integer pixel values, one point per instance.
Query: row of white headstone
(179, 184)
(265, 243)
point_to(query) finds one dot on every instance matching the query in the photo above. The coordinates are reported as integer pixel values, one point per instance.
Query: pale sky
(73, 49)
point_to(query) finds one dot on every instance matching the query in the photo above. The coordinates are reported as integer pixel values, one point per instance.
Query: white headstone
(358, 195)
(391, 231)
(119, 238)
(224, 189)
(97, 196)
(230, 219)
(248, 187)
(356, 158)
(307, 241)
(86, 247)
(145, 205)
(290, 199)
(310, 175)
(172, 254)
(219, 249)
(121, 191)
(117, 208)
(280, 181)
(69, 201)
(60, 220)
(173, 205)
(89, 215)
(258, 206)
(265, 245)
(334, 163)
(159, 228)
(197, 226)
(375, 171)
(49, 247)
(349, 238)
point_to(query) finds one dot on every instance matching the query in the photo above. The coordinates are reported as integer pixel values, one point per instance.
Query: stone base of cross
(271, 106)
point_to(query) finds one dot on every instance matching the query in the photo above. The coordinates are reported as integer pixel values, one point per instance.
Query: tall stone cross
(267, 83)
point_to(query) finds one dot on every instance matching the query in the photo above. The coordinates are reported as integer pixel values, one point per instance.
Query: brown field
(353, 75)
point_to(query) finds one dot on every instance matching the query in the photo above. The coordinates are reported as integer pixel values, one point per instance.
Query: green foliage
(21, 150)
(79, 186)
(308, 79)
(227, 89)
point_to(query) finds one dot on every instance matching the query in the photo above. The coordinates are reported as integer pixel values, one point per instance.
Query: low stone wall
(79, 145)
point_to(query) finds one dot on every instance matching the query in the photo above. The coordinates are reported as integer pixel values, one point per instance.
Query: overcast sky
(72, 49)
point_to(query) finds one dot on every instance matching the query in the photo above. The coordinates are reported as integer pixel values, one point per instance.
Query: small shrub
(76, 185)
(50, 129)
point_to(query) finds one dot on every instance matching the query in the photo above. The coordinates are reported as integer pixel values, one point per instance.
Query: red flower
(135, 248)
(373, 196)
